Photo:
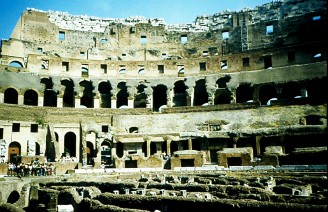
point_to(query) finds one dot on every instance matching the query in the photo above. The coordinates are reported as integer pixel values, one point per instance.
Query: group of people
(34, 168)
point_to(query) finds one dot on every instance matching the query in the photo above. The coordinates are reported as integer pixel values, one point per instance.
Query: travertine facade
(138, 92)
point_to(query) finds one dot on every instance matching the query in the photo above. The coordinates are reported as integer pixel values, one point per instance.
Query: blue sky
(172, 11)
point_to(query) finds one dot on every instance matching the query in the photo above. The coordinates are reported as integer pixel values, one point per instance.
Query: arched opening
(14, 151)
(290, 90)
(144, 148)
(30, 98)
(16, 64)
(173, 146)
(222, 94)
(244, 93)
(104, 89)
(50, 96)
(13, 197)
(266, 93)
(11, 96)
(106, 153)
(122, 95)
(87, 96)
(200, 93)
(69, 94)
(153, 149)
(180, 95)
(70, 145)
(90, 153)
(119, 149)
(140, 99)
(159, 96)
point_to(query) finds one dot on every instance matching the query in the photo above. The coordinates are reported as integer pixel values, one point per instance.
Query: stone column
(97, 160)
(96, 100)
(169, 96)
(83, 154)
(233, 96)
(168, 148)
(189, 143)
(113, 102)
(258, 145)
(40, 101)
(131, 101)
(60, 101)
(190, 96)
(20, 99)
(235, 140)
(148, 147)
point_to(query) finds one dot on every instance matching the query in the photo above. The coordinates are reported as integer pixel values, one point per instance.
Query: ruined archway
(70, 144)
(13, 197)
(69, 94)
(49, 96)
(87, 98)
(104, 89)
(222, 94)
(244, 93)
(180, 94)
(266, 93)
(200, 93)
(122, 95)
(140, 99)
(31, 98)
(11, 96)
(159, 96)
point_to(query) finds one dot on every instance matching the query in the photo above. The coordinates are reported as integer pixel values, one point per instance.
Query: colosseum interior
(133, 114)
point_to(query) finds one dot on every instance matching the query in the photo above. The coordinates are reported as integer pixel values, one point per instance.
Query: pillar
(40, 101)
(60, 101)
(235, 139)
(113, 102)
(258, 145)
(20, 100)
(189, 143)
(83, 154)
(131, 102)
(168, 148)
(148, 147)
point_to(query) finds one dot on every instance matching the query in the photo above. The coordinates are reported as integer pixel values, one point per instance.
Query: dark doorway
(187, 163)
(131, 164)
(234, 161)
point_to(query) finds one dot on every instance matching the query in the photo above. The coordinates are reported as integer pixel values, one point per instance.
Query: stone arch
(290, 90)
(16, 64)
(11, 96)
(49, 95)
(159, 96)
(244, 93)
(180, 94)
(140, 99)
(267, 92)
(14, 151)
(200, 93)
(104, 89)
(87, 98)
(122, 94)
(222, 94)
(68, 93)
(31, 97)
(70, 144)
(13, 197)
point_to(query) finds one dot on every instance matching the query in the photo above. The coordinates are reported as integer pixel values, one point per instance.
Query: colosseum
(120, 110)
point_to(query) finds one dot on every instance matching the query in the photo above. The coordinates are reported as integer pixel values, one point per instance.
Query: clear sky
(172, 11)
